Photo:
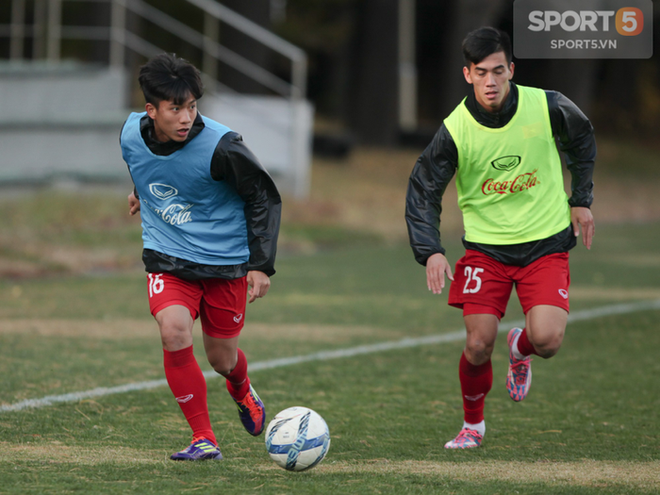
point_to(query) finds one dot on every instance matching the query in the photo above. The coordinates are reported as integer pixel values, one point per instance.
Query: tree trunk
(373, 113)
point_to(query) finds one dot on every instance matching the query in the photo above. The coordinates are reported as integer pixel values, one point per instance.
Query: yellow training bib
(509, 180)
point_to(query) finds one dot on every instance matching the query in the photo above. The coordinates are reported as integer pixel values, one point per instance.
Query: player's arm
(133, 202)
(234, 162)
(578, 143)
(432, 173)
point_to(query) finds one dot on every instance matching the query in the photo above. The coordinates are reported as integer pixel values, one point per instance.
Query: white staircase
(61, 120)
(277, 131)
(61, 123)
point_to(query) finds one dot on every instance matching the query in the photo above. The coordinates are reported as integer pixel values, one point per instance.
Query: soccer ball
(297, 438)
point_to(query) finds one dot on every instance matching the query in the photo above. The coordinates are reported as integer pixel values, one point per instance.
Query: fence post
(117, 34)
(39, 44)
(299, 77)
(211, 35)
(54, 30)
(407, 67)
(17, 30)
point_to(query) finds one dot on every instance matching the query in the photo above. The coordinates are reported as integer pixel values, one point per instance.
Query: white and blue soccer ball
(297, 438)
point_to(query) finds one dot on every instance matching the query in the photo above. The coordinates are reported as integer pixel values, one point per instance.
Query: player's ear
(512, 66)
(151, 110)
(466, 74)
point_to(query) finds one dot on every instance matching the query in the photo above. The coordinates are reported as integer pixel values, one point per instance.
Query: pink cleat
(519, 377)
(466, 439)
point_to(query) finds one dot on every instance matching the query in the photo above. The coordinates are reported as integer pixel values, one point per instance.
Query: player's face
(490, 79)
(171, 121)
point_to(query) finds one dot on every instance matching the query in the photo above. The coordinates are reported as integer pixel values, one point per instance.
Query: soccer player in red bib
(519, 223)
(210, 220)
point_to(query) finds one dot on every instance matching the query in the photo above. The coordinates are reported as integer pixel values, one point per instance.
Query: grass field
(74, 318)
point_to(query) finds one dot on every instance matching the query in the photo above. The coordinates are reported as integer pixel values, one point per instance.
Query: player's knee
(174, 336)
(222, 364)
(547, 352)
(478, 351)
(221, 368)
(549, 345)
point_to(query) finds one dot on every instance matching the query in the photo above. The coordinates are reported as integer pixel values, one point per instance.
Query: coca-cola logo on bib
(519, 184)
(175, 214)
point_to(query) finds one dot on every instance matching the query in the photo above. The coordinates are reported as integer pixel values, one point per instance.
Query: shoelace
(519, 369)
(467, 434)
(250, 404)
(247, 401)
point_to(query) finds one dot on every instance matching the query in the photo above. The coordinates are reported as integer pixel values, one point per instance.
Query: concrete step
(63, 122)
(30, 91)
(45, 150)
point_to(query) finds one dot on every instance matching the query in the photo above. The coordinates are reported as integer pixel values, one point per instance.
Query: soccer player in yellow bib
(519, 222)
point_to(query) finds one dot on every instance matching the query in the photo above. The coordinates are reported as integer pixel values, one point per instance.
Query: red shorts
(483, 285)
(219, 303)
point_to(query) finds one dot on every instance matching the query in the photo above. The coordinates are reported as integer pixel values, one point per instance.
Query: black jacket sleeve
(577, 142)
(429, 179)
(233, 162)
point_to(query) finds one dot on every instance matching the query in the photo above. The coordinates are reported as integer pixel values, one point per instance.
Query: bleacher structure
(60, 119)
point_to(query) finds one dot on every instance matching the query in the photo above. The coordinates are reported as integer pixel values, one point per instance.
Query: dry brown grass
(639, 475)
(585, 473)
(367, 191)
(364, 193)
(126, 329)
(76, 456)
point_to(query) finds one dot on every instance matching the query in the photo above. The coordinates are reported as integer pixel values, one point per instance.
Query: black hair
(485, 41)
(166, 77)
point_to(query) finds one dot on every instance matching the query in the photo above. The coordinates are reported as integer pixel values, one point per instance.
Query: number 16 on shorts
(156, 284)
(472, 279)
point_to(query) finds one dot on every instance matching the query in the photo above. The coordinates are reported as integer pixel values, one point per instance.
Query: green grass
(398, 412)
(588, 426)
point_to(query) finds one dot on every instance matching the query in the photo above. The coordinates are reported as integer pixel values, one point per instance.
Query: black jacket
(437, 164)
(233, 162)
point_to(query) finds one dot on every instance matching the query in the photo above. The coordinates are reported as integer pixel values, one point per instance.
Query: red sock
(476, 382)
(238, 383)
(525, 347)
(188, 385)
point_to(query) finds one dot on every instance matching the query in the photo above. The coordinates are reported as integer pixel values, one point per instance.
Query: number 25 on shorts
(472, 280)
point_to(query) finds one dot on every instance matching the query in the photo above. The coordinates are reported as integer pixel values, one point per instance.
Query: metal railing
(47, 33)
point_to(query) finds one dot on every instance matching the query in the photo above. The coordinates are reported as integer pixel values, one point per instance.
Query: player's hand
(258, 283)
(582, 217)
(133, 204)
(436, 268)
